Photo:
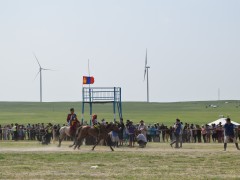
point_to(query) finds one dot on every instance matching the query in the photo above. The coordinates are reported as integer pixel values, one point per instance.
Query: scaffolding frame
(102, 95)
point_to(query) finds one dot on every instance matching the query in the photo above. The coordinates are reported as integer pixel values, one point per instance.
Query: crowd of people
(128, 133)
(182, 132)
(28, 132)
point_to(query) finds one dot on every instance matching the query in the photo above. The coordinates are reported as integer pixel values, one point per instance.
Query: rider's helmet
(94, 116)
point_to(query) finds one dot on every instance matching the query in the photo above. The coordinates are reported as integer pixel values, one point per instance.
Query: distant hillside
(55, 112)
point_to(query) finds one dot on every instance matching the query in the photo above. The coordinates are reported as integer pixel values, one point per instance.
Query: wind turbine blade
(47, 69)
(37, 60)
(146, 59)
(145, 70)
(37, 74)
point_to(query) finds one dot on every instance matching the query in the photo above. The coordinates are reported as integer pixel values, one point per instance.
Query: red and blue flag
(88, 79)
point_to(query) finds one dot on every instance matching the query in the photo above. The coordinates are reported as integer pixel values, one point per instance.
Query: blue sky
(193, 48)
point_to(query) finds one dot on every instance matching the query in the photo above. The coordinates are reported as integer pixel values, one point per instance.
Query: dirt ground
(151, 147)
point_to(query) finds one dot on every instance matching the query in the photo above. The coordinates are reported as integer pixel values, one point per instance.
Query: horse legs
(98, 140)
(61, 137)
(80, 143)
(109, 145)
(59, 142)
(74, 142)
(77, 143)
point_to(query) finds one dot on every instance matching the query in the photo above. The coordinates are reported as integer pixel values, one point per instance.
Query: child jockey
(72, 121)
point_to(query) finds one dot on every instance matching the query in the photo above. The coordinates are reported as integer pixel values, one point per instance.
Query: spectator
(194, 132)
(185, 134)
(162, 128)
(121, 127)
(152, 133)
(20, 133)
(48, 130)
(1, 132)
(114, 138)
(208, 136)
(229, 134)
(220, 133)
(157, 133)
(214, 133)
(143, 128)
(28, 131)
(131, 131)
(167, 133)
(149, 133)
(141, 140)
(199, 134)
(177, 131)
(204, 133)
(180, 135)
(15, 132)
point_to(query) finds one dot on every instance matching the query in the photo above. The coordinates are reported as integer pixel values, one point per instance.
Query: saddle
(97, 126)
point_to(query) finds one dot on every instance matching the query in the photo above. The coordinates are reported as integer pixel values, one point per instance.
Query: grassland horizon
(196, 112)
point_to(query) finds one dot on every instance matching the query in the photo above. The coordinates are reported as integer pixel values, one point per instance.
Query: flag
(88, 79)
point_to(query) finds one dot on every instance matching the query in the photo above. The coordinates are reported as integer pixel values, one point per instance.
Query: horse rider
(95, 123)
(94, 120)
(72, 121)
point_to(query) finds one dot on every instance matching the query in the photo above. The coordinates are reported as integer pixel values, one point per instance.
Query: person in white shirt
(143, 128)
(141, 140)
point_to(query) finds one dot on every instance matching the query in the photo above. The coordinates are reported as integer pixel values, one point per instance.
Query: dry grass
(31, 160)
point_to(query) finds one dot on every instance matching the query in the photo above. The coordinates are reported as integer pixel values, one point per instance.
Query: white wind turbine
(146, 67)
(40, 72)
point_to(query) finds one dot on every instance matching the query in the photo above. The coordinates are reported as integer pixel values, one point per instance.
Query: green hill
(56, 112)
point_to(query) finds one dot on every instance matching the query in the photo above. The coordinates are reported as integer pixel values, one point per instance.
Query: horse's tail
(61, 132)
(78, 132)
(58, 132)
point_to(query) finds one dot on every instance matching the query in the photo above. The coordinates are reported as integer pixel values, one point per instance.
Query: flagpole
(89, 72)
(89, 75)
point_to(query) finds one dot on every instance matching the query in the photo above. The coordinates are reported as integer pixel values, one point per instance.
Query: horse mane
(109, 125)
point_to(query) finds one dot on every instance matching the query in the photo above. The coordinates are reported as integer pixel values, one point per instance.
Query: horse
(99, 134)
(65, 131)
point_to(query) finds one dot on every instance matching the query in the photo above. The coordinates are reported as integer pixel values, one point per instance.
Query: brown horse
(99, 134)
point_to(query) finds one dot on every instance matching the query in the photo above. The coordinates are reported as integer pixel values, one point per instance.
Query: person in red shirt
(72, 121)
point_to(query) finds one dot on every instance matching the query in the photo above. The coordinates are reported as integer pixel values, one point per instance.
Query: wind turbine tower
(146, 67)
(40, 73)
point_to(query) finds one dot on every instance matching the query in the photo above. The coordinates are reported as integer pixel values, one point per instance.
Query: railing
(101, 94)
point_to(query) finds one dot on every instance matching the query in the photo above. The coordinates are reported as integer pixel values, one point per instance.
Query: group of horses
(101, 132)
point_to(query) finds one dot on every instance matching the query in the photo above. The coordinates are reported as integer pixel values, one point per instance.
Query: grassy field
(56, 112)
(31, 160)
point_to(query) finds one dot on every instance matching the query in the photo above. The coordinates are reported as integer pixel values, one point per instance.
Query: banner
(88, 79)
